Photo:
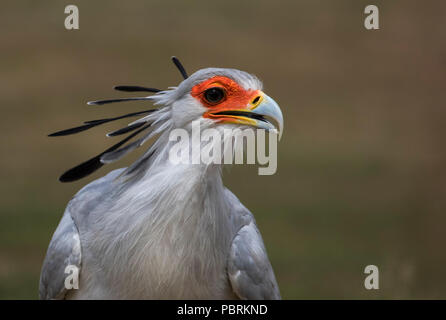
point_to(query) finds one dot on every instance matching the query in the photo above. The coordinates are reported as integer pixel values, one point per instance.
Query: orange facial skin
(236, 98)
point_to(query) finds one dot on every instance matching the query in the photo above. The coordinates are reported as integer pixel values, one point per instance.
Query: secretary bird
(158, 230)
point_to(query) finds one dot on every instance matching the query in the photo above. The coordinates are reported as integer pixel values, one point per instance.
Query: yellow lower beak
(254, 115)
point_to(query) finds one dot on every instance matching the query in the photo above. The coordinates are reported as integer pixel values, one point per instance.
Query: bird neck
(157, 176)
(177, 202)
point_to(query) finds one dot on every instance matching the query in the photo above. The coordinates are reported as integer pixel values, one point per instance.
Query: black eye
(214, 95)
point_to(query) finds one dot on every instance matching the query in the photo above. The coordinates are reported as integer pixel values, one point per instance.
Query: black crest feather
(114, 152)
(136, 89)
(101, 102)
(180, 67)
(88, 167)
(94, 123)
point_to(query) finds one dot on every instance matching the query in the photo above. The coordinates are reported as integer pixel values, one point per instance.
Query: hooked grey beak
(269, 107)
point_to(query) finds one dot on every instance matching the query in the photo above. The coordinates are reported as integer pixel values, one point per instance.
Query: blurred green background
(361, 176)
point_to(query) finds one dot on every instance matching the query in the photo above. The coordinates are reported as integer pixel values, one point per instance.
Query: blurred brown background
(361, 177)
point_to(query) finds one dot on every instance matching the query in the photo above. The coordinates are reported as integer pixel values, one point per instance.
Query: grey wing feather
(249, 269)
(64, 250)
(65, 246)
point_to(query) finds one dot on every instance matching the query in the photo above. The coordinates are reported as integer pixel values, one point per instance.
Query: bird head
(216, 97)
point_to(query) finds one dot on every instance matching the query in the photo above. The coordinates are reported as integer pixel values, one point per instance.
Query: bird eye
(214, 95)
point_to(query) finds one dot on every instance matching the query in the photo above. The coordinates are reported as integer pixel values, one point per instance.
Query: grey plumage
(64, 250)
(157, 230)
(242, 258)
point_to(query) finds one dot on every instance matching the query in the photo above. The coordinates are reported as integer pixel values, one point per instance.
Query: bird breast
(168, 236)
